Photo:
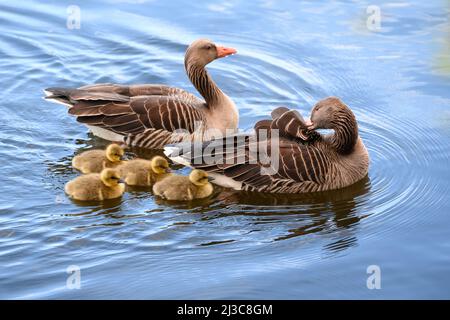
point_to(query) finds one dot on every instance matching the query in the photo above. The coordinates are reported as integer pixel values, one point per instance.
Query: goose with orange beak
(154, 115)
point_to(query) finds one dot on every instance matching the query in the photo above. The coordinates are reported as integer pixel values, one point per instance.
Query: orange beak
(223, 51)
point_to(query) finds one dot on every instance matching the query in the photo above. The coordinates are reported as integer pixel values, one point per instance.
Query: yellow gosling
(141, 172)
(96, 186)
(195, 186)
(94, 161)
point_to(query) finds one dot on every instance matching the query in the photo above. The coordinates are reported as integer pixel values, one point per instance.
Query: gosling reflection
(110, 207)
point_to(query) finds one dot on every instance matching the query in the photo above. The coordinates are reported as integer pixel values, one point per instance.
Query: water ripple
(42, 232)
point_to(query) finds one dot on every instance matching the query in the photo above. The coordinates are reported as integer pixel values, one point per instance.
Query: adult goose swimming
(304, 160)
(152, 115)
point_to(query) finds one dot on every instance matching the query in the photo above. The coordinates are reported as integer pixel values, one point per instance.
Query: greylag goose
(302, 160)
(152, 115)
(181, 188)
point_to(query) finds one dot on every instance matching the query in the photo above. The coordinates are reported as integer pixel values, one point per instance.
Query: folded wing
(143, 114)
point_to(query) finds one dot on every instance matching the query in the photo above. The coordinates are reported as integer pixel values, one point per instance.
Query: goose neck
(345, 133)
(204, 84)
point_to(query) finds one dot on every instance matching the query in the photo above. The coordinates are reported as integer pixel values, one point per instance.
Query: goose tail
(175, 153)
(58, 95)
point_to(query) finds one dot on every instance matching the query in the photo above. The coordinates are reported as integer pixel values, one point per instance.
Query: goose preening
(94, 161)
(141, 172)
(181, 188)
(304, 160)
(96, 186)
(152, 115)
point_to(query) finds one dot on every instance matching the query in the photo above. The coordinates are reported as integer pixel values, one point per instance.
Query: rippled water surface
(235, 245)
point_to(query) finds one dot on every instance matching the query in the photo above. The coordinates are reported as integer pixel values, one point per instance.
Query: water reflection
(324, 212)
(234, 244)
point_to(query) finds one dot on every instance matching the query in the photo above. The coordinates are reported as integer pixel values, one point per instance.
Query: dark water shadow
(329, 212)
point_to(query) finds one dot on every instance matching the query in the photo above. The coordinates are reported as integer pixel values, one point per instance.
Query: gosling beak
(210, 179)
(309, 124)
(121, 181)
(168, 170)
(223, 51)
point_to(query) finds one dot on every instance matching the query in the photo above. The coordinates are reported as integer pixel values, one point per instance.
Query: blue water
(236, 245)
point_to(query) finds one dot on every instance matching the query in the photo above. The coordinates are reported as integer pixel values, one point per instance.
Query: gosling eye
(208, 47)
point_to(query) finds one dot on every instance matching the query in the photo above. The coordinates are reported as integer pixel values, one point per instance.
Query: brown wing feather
(146, 114)
(142, 90)
(297, 163)
(302, 162)
(139, 114)
(277, 112)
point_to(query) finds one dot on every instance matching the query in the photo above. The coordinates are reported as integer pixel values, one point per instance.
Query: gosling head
(114, 152)
(160, 165)
(203, 51)
(199, 177)
(110, 177)
(328, 113)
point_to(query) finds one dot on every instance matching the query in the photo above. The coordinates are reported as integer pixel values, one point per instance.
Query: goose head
(328, 113)
(159, 165)
(199, 177)
(203, 51)
(114, 152)
(110, 177)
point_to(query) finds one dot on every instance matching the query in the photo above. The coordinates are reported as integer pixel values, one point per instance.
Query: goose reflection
(336, 212)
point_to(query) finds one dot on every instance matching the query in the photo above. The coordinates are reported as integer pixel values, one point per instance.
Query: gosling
(96, 186)
(195, 186)
(144, 173)
(94, 161)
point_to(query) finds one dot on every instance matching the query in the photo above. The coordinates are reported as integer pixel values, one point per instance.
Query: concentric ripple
(235, 244)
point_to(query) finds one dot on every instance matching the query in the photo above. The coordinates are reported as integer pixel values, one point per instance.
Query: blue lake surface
(236, 245)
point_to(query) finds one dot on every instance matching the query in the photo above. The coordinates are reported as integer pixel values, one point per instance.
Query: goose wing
(291, 125)
(143, 90)
(141, 113)
(275, 167)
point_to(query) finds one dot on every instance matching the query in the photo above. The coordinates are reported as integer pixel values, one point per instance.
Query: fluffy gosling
(94, 161)
(195, 186)
(96, 186)
(144, 173)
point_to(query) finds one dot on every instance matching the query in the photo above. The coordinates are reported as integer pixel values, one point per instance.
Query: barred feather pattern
(345, 131)
(320, 163)
(147, 116)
